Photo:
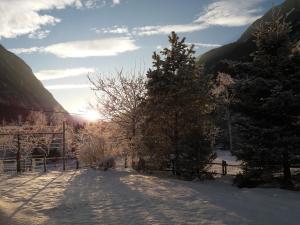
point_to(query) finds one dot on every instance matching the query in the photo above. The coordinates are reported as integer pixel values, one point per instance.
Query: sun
(92, 115)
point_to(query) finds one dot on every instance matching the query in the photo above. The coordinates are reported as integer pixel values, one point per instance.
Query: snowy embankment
(89, 197)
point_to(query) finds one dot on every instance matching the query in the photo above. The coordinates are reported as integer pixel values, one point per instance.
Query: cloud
(150, 30)
(63, 73)
(230, 13)
(100, 47)
(116, 2)
(89, 48)
(67, 86)
(167, 29)
(25, 50)
(39, 34)
(91, 4)
(112, 30)
(22, 17)
(204, 45)
(197, 45)
(25, 17)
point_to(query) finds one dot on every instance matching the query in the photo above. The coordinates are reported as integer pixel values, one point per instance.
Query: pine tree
(268, 93)
(176, 107)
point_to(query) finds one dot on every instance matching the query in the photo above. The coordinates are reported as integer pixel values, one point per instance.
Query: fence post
(125, 160)
(18, 156)
(64, 142)
(24, 167)
(33, 165)
(224, 167)
(77, 163)
(45, 166)
(1, 166)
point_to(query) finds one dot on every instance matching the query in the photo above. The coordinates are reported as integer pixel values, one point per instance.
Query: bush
(92, 151)
(107, 163)
(244, 181)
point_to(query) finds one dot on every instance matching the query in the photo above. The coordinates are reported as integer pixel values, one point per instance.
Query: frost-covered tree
(223, 94)
(37, 123)
(93, 144)
(119, 98)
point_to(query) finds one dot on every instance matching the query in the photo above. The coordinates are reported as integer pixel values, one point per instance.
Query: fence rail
(41, 164)
(221, 168)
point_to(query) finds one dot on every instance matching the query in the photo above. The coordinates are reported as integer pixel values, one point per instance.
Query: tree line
(173, 115)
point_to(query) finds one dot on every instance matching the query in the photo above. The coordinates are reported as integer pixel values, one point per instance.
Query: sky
(65, 40)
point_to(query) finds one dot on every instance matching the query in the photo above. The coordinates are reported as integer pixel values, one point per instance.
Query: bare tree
(119, 98)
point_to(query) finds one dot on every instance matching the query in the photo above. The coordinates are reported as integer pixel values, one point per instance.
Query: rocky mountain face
(244, 46)
(20, 90)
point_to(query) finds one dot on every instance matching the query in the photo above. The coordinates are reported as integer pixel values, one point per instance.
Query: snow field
(87, 197)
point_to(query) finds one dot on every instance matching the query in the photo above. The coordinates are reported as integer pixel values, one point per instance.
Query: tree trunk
(125, 161)
(177, 166)
(18, 156)
(45, 166)
(77, 164)
(287, 169)
(229, 126)
(132, 144)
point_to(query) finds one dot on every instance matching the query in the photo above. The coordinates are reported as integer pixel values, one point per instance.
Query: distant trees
(223, 95)
(268, 104)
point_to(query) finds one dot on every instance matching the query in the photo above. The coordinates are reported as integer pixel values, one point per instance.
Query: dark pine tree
(177, 106)
(268, 107)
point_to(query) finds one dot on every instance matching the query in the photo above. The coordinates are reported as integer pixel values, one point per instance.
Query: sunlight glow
(92, 115)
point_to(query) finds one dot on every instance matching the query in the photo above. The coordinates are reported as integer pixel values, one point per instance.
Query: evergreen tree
(268, 107)
(177, 107)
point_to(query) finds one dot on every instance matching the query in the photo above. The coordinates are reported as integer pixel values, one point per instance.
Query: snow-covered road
(89, 197)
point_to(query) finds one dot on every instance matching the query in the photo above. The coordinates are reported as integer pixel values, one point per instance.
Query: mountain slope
(20, 89)
(242, 48)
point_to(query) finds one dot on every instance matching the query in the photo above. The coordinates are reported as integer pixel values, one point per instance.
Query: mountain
(20, 89)
(244, 46)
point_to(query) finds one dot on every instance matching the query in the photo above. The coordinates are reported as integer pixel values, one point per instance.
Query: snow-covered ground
(233, 167)
(227, 156)
(89, 197)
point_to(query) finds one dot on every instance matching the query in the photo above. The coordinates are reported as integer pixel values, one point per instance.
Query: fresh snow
(227, 156)
(234, 166)
(88, 197)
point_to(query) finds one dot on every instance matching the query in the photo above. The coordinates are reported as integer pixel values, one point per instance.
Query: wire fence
(41, 164)
(25, 148)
